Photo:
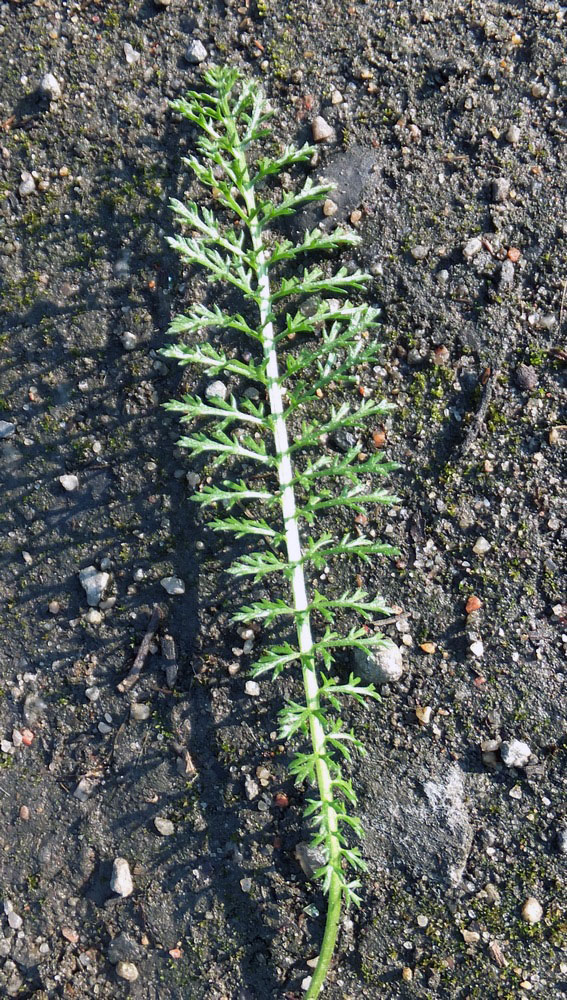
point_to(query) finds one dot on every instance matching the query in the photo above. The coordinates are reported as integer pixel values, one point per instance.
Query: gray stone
(123, 949)
(6, 429)
(418, 822)
(500, 189)
(94, 583)
(472, 247)
(121, 879)
(513, 135)
(419, 252)
(195, 52)
(344, 440)
(216, 390)
(379, 666)
(50, 87)
(310, 858)
(562, 840)
(164, 826)
(526, 377)
(506, 278)
(321, 130)
(515, 753)
(173, 585)
(27, 185)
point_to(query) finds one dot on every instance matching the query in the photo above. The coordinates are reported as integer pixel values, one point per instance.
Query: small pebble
(310, 858)
(471, 248)
(330, 207)
(473, 604)
(162, 3)
(27, 185)
(336, 97)
(481, 546)
(419, 252)
(515, 753)
(92, 693)
(139, 712)
(94, 584)
(50, 87)
(69, 483)
(500, 189)
(379, 666)
(532, 910)
(129, 340)
(93, 616)
(216, 390)
(14, 920)
(513, 135)
(121, 879)
(252, 688)
(506, 278)
(477, 648)
(246, 884)
(84, 790)
(562, 840)
(132, 56)
(173, 585)
(538, 90)
(54, 607)
(127, 971)
(164, 826)
(195, 52)
(6, 429)
(526, 377)
(24, 813)
(321, 130)
(251, 788)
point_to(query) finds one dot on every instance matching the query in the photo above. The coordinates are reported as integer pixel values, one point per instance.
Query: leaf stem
(301, 603)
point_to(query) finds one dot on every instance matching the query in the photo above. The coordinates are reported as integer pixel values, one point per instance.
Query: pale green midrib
(295, 558)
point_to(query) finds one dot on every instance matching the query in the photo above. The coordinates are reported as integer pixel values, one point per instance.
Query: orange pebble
(473, 604)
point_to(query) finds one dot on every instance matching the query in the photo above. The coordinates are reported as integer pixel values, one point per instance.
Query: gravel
(121, 879)
(379, 666)
(195, 52)
(94, 583)
(515, 753)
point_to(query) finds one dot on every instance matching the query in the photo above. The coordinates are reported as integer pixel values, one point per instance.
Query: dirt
(451, 129)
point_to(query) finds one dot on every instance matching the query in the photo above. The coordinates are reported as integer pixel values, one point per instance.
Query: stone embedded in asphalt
(384, 665)
(173, 585)
(195, 52)
(94, 583)
(121, 879)
(515, 753)
(415, 819)
(50, 87)
(6, 429)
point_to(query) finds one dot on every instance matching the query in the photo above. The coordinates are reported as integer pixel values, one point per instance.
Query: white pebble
(15, 921)
(173, 585)
(532, 910)
(472, 247)
(164, 826)
(94, 584)
(216, 390)
(127, 971)
(129, 340)
(477, 648)
(69, 483)
(139, 711)
(92, 693)
(379, 666)
(93, 617)
(515, 753)
(132, 56)
(121, 879)
(28, 184)
(481, 546)
(50, 86)
(252, 688)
